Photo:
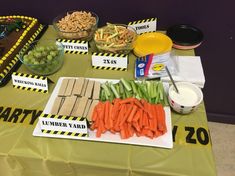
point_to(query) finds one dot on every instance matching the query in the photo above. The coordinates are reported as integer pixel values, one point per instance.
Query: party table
(23, 154)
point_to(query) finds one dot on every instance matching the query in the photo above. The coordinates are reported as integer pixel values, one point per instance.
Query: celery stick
(116, 94)
(121, 88)
(134, 88)
(117, 88)
(111, 97)
(140, 94)
(161, 90)
(155, 83)
(106, 89)
(102, 95)
(128, 94)
(126, 84)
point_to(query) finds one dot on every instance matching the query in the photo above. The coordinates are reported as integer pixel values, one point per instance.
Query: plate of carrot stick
(130, 120)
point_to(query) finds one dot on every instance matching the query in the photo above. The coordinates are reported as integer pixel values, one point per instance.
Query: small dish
(188, 98)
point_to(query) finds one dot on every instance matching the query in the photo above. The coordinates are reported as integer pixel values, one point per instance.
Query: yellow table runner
(23, 154)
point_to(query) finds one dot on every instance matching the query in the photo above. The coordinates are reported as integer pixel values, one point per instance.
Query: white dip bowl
(188, 99)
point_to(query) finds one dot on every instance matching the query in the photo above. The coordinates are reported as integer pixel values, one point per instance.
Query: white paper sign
(109, 60)
(142, 26)
(74, 45)
(63, 125)
(29, 82)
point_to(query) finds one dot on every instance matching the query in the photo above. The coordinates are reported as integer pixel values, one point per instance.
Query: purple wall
(215, 19)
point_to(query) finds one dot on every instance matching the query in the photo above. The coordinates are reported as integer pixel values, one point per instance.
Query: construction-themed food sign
(74, 46)
(30, 82)
(142, 26)
(110, 61)
(63, 125)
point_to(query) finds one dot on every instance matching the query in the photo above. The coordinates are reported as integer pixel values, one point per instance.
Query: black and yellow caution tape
(142, 21)
(110, 55)
(71, 41)
(63, 117)
(109, 68)
(29, 75)
(65, 133)
(30, 89)
(14, 60)
(75, 52)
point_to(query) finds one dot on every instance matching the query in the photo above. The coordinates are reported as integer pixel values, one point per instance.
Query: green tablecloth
(23, 154)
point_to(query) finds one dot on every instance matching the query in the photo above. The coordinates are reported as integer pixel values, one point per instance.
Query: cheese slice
(77, 89)
(81, 107)
(63, 87)
(68, 91)
(56, 105)
(89, 88)
(96, 91)
(67, 106)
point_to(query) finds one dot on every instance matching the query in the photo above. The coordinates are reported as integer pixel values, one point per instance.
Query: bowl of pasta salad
(115, 38)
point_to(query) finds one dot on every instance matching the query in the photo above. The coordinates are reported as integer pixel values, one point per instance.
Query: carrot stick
(141, 120)
(127, 100)
(136, 126)
(129, 109)
(121, 114)
(132, 114)
(138, 103)
(111, 116)
(130, 130)
(137, 115)
(145, 120)
(106, 114)
(94, 114)
(161, 125)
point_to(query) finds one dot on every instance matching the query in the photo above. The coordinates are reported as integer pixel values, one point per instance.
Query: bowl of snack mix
(78, 25)
(115, 38)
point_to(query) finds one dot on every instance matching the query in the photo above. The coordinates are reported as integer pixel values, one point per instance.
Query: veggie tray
(164, 141)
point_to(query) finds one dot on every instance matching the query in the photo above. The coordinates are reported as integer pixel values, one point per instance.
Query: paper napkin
(189, 70)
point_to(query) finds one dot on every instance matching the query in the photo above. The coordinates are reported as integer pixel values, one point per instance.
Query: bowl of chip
(42, 57)
(78, 25)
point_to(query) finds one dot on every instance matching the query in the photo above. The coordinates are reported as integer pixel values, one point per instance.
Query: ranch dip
(186, 96)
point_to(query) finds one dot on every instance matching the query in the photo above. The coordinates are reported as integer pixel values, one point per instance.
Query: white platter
(164, 141)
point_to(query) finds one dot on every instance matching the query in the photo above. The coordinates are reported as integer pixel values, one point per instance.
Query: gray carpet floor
(223, 145)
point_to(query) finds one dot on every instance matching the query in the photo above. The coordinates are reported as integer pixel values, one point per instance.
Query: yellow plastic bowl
(152, 43)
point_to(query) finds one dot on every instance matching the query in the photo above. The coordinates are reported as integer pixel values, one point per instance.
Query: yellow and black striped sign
(77, 47)
(75, 52)
(71, 41)
(142, 21)
(25, 79)
(110, 55)
(65, 133)
(63, 117)
(67, 122)
(29, 75)
(109, 68)
(30, 89)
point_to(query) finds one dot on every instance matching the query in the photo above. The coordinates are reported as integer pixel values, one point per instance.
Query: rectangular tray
(164, 141)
